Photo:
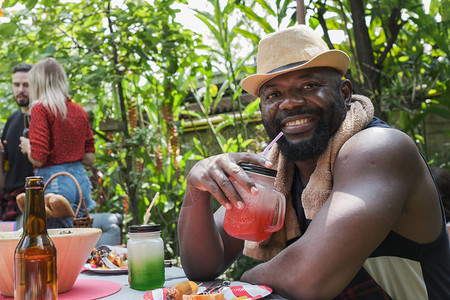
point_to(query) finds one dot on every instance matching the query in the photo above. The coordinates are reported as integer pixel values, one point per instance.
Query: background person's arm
(26, 149)
(89, 158)
(376, 190)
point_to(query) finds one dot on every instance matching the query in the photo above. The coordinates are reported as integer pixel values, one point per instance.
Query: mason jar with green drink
(145, 257)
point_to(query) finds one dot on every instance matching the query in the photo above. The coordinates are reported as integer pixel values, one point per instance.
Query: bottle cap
(144, 228)
(258, 169)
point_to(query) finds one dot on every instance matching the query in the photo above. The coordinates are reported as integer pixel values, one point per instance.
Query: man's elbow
(199, 270)
(305, 288)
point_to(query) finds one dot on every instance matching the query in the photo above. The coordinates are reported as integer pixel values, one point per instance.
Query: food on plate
(184, 288)
(214, 296)
(95, 259)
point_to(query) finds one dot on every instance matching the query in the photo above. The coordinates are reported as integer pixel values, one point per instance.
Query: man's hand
(216, 174)
(24, 145)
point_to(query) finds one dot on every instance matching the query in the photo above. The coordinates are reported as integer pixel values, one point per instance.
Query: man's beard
(317, 144)
(308, 149)
(25, 101)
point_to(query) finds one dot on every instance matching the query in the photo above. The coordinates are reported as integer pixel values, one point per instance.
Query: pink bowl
(72, 251)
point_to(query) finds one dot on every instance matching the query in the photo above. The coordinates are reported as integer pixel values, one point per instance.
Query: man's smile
(298, 124)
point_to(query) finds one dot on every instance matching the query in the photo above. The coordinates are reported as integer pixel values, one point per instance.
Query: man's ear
(347, 91)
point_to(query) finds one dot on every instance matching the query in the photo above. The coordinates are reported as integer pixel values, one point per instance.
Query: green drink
(145, 257)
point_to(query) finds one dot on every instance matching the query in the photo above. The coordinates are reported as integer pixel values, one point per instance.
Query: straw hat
(292, 49)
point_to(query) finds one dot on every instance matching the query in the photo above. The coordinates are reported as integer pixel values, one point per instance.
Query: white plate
(106, 271)
(249, 290)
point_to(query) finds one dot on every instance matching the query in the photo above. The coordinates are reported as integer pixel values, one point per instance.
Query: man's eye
(272, 95)
(308, 86)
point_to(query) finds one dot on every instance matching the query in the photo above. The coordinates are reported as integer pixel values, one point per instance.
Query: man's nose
(22, 87)
(292, 100)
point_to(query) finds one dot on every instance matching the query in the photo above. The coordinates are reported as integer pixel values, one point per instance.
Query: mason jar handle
(281, 213)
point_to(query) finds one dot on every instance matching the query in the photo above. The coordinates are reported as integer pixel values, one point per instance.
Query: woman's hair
(48, 85)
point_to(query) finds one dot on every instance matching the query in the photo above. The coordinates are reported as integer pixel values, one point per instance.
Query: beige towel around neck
(320, 183)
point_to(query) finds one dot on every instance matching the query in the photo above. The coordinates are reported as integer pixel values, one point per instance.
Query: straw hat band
(288, 66)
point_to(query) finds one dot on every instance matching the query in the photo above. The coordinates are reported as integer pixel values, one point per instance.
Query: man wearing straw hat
(363, 216)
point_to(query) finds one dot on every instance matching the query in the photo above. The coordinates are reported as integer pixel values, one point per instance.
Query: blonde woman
(60, 136)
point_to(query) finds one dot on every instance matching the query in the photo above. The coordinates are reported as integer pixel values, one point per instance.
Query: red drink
(255, 221)
(248, 225)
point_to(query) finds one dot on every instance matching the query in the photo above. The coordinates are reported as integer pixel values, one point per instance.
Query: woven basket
(78, 222)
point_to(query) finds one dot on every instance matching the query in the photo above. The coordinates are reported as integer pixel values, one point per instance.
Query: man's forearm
(201, 247)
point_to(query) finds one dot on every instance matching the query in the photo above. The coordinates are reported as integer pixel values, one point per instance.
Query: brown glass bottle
(5, 159)
(35, 256)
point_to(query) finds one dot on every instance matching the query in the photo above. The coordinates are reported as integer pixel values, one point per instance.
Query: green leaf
(261, 21)
(9, 3)
(252, 107)
(7, 29)
(266, 7)
(247, 34)
(26, 51)
(30, 4)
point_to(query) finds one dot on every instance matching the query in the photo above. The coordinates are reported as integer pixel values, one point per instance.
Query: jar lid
(144, 228)
(258, 169)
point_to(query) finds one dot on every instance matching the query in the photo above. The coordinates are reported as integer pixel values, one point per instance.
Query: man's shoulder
(378, 129)
(13, 117)
(377, 142)
(14, 114)
(375, 135)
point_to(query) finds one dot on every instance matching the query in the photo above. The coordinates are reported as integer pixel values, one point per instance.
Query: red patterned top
(56, 141)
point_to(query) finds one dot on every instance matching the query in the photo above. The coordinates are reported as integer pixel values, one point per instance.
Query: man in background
(15, 166)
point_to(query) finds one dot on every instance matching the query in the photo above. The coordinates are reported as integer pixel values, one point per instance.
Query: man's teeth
(297, 122)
